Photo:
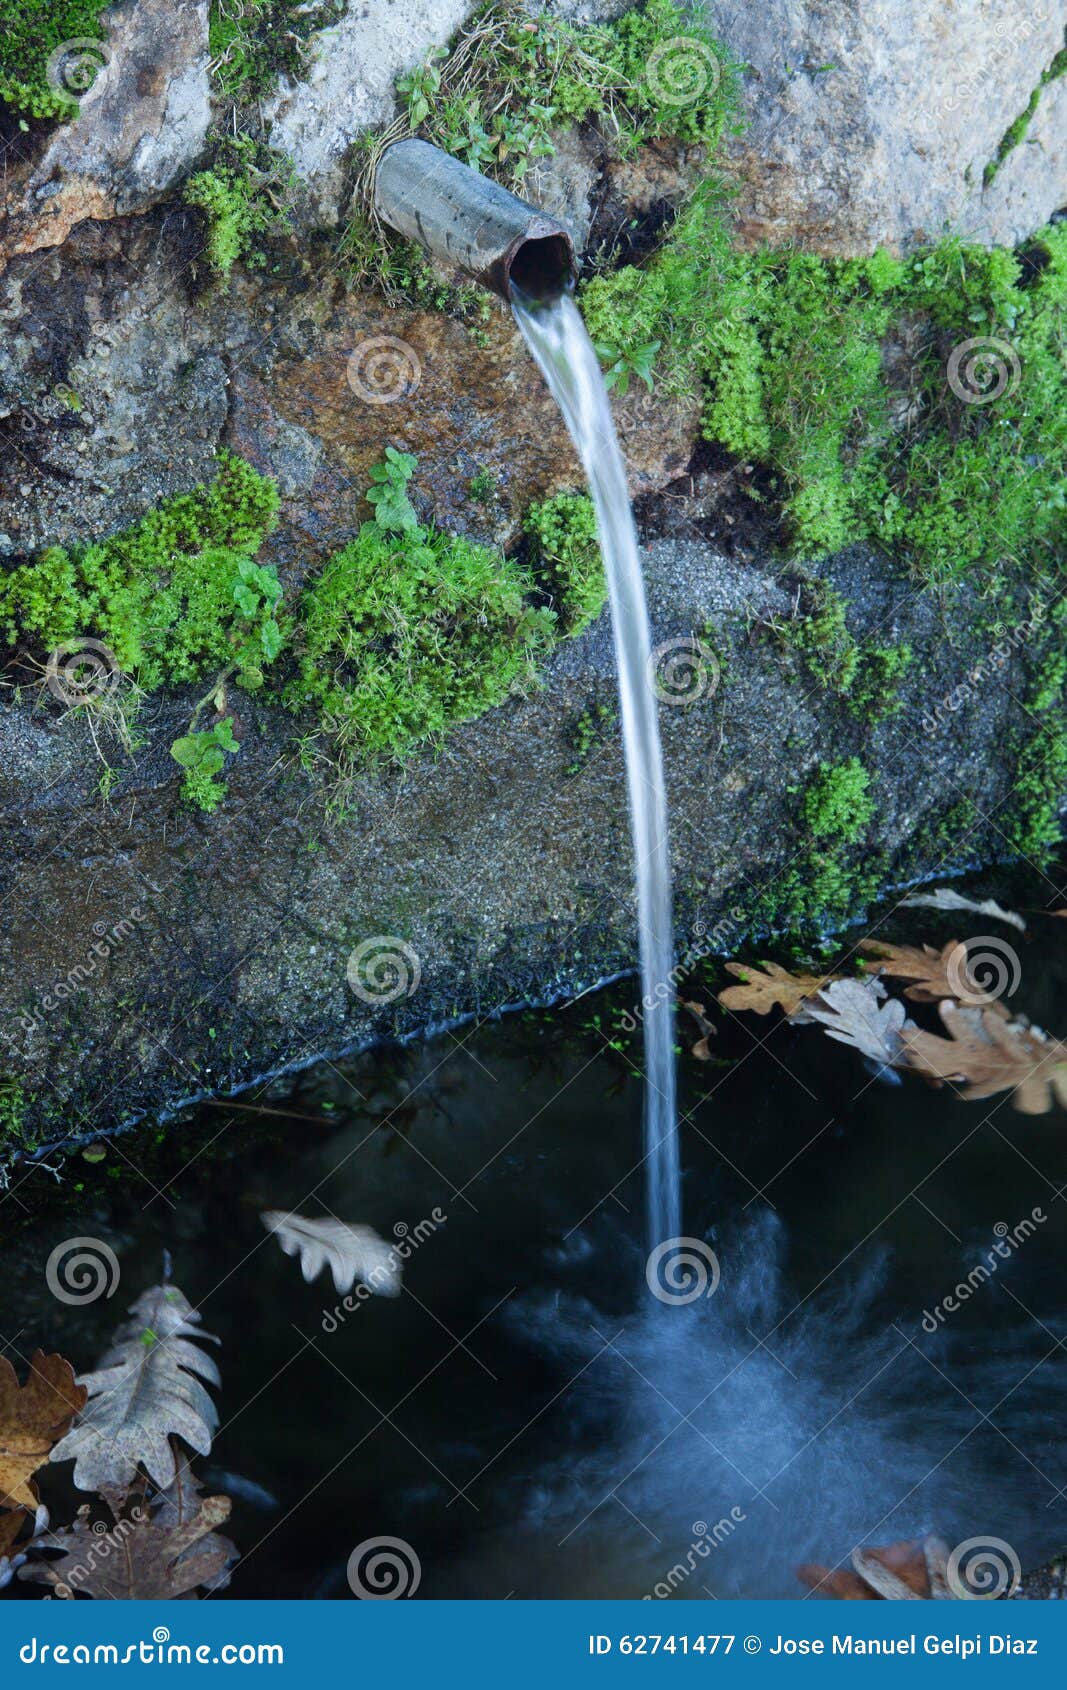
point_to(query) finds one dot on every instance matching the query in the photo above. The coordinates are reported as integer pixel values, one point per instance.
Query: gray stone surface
(872, 123)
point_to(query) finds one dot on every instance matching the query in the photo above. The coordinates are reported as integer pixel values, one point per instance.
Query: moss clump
(569, 562)
(1031, 819)
(874, 692)
(177, 595)
(12, 1115)
(409, 631)
(31, 31)
(243, 198)
(960, 472)
(819, 634)
(1016, 131)
(837, 804)
(254, 42)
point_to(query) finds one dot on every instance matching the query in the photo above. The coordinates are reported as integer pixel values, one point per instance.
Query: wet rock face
(147, 954)
(117, 386)
(873, 123)
(140, 127)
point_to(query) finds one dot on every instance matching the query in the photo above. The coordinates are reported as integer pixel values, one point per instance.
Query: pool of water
(525, 1416)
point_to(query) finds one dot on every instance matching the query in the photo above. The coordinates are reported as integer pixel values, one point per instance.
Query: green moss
(837, 804)
(30, 32)
(12, 1115)
(243, 197)
(1031, 819)
(819, 634)
(874, 693)
(409, 631)
(569, 562)
(959, 473)
(254, 42)
(173, 597)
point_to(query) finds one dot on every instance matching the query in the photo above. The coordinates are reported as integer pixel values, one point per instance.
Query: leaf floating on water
(985, 1054)
(944, 898)
(851, 1012)
(145, 1391)
(768, 985)
(933, 975)
(149, 1558)
(33, 1417)
(912, 1570)
(350, 1252)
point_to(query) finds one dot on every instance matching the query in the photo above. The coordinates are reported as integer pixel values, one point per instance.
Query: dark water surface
(526, 1416)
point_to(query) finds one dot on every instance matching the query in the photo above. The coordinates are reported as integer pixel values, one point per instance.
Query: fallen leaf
(944, 898)
(144, 1391)
(985, 1054)
(912, 1570)
(32, 1417)
(702, 1049)
(933, 974)
(769, 985)
(350, 1252)
(143, 1558)
(851, 1012)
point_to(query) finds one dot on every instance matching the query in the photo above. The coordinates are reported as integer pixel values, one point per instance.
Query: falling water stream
(557, 337)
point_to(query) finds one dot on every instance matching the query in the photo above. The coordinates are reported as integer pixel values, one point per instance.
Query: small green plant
(819, 634)
(243, 197)
(12, 1113)
(588, 731)
(622, 363)
(409, 631)
(203, 756)
(874, 695)
(482, 486)
(564, 532)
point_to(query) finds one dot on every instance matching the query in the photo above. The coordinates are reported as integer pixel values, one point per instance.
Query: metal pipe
(471, 223)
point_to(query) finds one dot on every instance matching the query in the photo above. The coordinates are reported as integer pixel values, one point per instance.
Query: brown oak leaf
(933, 975)
(33, 1417)
(769, 985)
(985, 1054)
(143, 1558)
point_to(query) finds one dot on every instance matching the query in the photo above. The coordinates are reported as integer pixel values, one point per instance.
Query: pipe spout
(471, 223)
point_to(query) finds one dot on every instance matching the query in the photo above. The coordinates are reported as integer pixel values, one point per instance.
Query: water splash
(556, 335)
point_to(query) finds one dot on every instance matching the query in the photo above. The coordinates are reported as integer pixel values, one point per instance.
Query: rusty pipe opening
(472, 224)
